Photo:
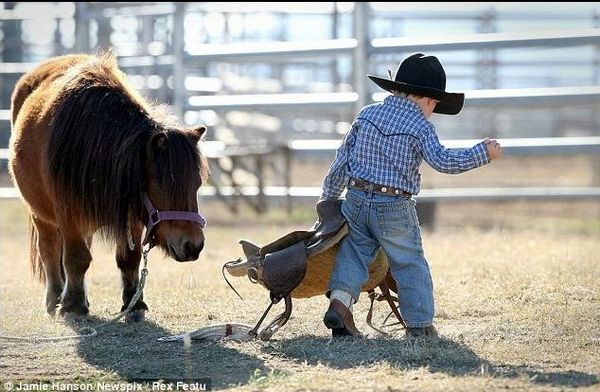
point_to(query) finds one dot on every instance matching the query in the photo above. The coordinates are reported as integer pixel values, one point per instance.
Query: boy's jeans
(374, 221)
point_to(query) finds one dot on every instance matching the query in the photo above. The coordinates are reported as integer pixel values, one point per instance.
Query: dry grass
(518, 306)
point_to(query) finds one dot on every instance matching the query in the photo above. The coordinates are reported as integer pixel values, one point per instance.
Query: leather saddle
(299, 264)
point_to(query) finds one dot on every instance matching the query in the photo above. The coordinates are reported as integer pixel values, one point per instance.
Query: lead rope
(92, 331)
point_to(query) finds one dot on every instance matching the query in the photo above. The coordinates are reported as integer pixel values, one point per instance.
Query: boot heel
(339, 319)
(332, 320)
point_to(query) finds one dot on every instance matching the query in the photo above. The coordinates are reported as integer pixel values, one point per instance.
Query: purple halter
(155, 216)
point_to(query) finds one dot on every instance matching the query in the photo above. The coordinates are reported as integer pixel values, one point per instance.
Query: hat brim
(449, 103)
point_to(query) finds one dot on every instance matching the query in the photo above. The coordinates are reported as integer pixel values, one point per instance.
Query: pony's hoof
(51, 310)
(73, 318)
(74, 314)
(135, 316)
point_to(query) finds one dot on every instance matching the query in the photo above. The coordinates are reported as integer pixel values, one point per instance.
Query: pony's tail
(35, 260)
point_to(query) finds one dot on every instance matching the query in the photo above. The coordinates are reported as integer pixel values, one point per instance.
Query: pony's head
(119, 160)
(174, 172)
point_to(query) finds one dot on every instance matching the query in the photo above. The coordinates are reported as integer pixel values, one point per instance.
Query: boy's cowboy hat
(423, 75)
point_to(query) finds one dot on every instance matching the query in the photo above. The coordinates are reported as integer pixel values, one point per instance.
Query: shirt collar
(402, 103)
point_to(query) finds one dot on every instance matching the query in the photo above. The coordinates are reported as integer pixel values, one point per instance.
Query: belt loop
(370, 193)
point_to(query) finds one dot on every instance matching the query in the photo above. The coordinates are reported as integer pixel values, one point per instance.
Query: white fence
(361, 48)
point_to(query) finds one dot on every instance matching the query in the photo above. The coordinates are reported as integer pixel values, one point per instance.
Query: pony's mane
(100, 132)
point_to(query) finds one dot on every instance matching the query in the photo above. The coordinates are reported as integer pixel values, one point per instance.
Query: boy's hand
(494, 148)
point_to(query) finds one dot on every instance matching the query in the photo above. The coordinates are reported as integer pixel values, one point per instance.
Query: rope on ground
(91, 331)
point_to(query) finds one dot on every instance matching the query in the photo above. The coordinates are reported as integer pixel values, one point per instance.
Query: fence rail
(328, 101)
(426, 195)
(555, 38)
(510, 146)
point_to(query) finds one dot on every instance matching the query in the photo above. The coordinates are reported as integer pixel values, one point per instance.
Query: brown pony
(86, 152)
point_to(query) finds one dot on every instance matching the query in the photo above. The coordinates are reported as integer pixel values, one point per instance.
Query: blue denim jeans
(389, 222)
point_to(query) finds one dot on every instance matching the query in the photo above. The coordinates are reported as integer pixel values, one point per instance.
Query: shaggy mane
(100, 132)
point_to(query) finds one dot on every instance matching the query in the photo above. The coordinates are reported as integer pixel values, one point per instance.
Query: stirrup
(267, 332)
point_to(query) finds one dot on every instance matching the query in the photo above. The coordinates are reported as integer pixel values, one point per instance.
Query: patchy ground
(516, 285)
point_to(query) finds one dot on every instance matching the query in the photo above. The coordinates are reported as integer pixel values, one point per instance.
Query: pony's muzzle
(191, 250)
(185, 249)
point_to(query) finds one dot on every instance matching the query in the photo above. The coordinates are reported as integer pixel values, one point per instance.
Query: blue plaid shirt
(386, 145)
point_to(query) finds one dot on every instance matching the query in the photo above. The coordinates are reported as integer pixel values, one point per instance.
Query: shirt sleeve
(450, 161)
(337, 177)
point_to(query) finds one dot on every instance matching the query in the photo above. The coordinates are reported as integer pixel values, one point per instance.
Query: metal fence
(170, 51)
(268, 90)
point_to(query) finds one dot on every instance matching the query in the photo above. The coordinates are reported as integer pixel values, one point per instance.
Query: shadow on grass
(132, 352)
(439, 355)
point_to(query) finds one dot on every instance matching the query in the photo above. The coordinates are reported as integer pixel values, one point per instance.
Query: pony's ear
(159, 142)
(195, 134)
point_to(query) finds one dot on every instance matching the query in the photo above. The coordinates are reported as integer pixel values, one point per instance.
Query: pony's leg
(128, 262)
(49, 244)
(76, 260)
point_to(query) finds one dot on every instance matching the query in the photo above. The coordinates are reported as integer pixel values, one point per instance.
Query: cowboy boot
(339, 319)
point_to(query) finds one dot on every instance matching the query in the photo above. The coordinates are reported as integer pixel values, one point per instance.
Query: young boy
(379, 163)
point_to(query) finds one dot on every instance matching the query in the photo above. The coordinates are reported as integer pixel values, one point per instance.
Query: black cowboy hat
(423, 75)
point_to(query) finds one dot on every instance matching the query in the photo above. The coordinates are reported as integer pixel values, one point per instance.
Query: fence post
(287, 173)
(361, 54)
(82, 27)
(261, 199)
(179, 93)
(12, 52)
(596, 65)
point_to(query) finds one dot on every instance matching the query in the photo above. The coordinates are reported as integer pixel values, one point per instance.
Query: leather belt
(366, 186)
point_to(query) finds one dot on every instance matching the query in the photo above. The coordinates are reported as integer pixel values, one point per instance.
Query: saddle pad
(319, 269)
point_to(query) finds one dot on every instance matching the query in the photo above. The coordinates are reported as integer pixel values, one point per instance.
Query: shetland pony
(85, 152)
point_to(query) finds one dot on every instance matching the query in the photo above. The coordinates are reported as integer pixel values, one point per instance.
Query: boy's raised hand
(494, 148)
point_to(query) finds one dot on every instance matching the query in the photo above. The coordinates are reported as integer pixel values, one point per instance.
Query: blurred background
(514, 246)
(278, 84)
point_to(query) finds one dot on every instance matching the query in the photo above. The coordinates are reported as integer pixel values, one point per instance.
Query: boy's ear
(195, 134)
